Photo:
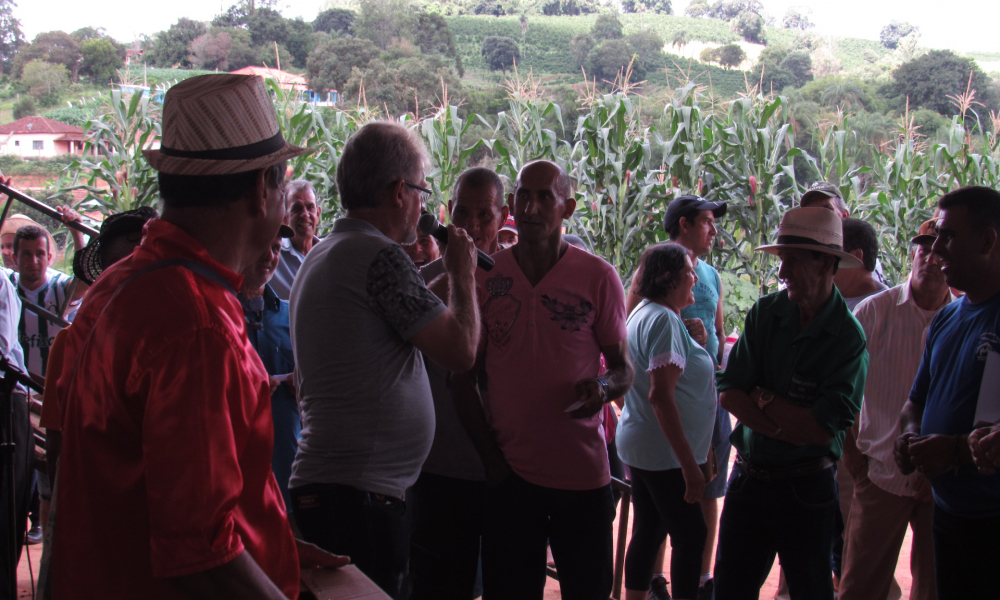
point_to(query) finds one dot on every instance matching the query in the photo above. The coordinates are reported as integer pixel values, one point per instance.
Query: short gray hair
(296, 185)
(377, 156)
(480, 177)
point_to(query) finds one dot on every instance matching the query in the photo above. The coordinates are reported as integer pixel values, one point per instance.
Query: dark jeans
(660, 509)
(373, 530)
(521, 517)
(793, 518)
(444, 546)
(965, 553)
(24, 453)
(617, 468)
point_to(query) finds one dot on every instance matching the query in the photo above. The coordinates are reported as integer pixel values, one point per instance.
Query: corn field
(626, 164)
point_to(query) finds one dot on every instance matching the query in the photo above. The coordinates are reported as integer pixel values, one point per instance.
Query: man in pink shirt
(549, 311)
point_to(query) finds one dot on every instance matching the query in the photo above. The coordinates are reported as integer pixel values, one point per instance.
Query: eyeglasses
(426, 192)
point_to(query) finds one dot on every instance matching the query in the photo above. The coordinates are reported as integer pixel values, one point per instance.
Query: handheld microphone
(429, 224)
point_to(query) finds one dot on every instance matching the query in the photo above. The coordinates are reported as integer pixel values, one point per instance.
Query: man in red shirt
(164, 487)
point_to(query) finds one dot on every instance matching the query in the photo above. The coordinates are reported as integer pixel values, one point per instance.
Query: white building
(38, 137)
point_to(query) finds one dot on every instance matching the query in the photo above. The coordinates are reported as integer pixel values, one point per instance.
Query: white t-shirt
(37, 333)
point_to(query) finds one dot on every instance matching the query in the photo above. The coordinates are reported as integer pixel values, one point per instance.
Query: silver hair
(379, 155)
(296, 185)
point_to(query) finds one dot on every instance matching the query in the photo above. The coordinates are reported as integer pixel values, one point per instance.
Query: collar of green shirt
(830, 318)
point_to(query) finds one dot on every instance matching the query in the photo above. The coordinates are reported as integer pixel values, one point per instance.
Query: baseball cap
(509, 225)
(927, 232)
(683, 205)
(818, 190)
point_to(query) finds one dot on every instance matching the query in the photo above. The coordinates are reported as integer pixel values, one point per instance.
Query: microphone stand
(11, 377)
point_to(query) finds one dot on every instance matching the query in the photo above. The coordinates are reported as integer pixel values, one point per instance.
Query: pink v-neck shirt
(539, 342)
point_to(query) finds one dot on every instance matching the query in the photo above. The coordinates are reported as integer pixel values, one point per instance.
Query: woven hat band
(796, 239)
(245, 152)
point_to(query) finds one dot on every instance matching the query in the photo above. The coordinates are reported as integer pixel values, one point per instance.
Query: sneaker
(35, 535)
(705, 591)
(658, 588)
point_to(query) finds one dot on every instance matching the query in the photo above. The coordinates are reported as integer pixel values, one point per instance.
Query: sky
(960, 25)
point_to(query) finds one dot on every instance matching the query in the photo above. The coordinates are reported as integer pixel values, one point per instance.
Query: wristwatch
(765, 398)
(605, 386)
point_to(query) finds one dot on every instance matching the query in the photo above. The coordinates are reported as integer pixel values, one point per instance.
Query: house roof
(284, 78)
(38, 125)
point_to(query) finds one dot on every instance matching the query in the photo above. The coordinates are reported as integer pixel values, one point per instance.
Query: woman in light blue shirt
(666, 426)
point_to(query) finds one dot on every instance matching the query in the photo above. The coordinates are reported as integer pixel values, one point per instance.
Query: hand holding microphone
(429, 224)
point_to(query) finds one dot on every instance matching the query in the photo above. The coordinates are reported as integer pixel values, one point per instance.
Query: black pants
(660, 510)
(965, 553)
(372, 529)
(447, 530)
(521, 517)
(24, 452)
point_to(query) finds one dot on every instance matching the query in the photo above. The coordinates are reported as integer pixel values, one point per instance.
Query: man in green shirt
(794, 380)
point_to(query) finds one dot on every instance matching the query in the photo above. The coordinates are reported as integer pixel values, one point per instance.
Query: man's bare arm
(619, 375)
(720, 326)
(909, 428)
(451, 339)
(238, 579)
(740, 404)
(798, 422)
(469, 406)
(633, 298)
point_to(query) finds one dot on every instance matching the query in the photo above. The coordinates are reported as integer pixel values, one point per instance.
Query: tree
(929, 80)
(750, 26)
(777, 68)
(698, 9)
(57, 47)
(843, 93)
(796, 19)
(274, 55)
(607, 27)
(170, 48)
(646, 44)
(383, 20)
(267, 26)
(11, 38)
(44, 80)
(101, 59)
(606, 61)
(709, 55)
(403, 82)
(433, 36)
(681, 38)
(299, 41)
(580, 46)
(895, 31)
(25, 107)
(211, 51)
(659, 7)
(89, 33)
(334, 20)
(731, 55)
(500, 53)
(330, 64)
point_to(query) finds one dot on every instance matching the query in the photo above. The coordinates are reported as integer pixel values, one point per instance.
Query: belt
(775, 474)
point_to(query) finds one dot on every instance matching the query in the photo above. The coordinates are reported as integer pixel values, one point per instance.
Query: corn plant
(444, 135)
(112, 156)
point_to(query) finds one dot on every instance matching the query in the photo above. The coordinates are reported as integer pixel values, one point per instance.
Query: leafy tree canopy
(335, 20)
(401, 82)
(170, 48)
(580, 46)
(500, 52)
(796, 18)
(607, 27)
(330, 64)
(928, 81)
(25, 107)
(223, 48)
(57, 47)
(606, 61)
(647, 46)
(730, 55)
(895, 31)
(44, 80)
(101, 59)
(383, 20)
(782, 68)
(11, 37)
(750, 26)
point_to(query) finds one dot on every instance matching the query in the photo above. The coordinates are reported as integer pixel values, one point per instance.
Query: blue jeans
(521, 517)
(793, 518)
(373, 530)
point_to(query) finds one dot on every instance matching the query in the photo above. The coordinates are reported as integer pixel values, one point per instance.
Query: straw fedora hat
(219, 125)
(813, 228)
(16, 221)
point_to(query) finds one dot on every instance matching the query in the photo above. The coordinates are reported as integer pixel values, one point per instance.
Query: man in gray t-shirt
(362, 321)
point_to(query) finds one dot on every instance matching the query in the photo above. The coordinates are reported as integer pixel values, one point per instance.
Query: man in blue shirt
(941, 412)
(269, 334)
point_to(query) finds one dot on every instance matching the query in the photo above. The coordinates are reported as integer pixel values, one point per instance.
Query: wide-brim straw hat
(813, 228)
(87, 262)
(219, 125)
(16, 221)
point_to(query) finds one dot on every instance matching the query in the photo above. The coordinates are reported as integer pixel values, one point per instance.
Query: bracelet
(605, 386)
